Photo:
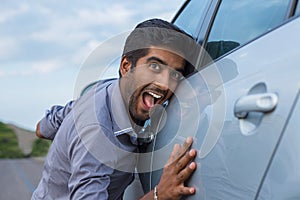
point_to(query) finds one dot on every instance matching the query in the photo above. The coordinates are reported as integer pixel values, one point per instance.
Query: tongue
(148, 100)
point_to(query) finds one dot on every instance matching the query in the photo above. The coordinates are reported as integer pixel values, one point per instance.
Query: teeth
(155, 95)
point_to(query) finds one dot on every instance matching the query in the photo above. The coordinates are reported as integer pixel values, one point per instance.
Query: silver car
(242, 106)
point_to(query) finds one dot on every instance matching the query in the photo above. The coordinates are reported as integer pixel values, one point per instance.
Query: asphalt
(20, 177)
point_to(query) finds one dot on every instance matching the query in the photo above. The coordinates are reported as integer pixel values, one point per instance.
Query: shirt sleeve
(53, 119)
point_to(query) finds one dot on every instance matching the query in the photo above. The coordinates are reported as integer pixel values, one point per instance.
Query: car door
(236, 108)
(283, 177)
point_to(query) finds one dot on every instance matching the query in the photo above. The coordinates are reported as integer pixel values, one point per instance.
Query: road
(19, 178)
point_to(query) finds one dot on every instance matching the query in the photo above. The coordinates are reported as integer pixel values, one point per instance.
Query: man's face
(151, 82)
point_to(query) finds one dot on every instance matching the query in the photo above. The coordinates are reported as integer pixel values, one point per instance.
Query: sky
(45, 45)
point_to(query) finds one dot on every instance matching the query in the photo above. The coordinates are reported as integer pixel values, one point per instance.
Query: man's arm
(47, 127)
(179, 168)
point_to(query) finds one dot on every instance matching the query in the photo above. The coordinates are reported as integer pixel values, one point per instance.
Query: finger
(187, 143)
(186, 173)
(182, 163)
(38, 131)
(187, 191)
(174, 154)
(184, 148)
(179, 151)
(175, 151)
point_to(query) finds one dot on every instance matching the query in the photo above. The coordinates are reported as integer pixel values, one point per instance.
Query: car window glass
(238, 22)
(191, 15)
(297, 12)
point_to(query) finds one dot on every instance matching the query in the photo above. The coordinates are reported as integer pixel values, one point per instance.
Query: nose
(163, 80)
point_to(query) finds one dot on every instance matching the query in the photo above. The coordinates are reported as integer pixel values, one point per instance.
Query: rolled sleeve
(53, 119)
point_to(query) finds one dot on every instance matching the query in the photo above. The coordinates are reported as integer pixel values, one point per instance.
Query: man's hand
(38, 131)
(178, 169)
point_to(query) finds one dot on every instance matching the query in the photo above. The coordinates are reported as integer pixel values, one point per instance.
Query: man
(93, 154)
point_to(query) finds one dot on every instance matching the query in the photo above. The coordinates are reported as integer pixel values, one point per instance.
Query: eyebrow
(153, 58)
(156, 59)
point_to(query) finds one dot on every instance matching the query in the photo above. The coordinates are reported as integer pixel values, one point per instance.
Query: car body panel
(236, 156)
(283, 177)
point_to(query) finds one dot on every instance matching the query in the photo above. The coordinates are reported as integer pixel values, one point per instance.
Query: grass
(9, 147)
(40, 147)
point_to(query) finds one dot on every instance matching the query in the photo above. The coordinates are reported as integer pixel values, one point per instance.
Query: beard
(140, 116)
(138, 120)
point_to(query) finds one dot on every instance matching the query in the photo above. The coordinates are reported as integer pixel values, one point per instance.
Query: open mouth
(151, 98)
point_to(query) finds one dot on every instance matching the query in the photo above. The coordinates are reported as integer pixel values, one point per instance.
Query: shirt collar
(121, 122)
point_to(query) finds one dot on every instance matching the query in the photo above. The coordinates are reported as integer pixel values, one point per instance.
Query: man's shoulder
(104, 83)
(86, 110)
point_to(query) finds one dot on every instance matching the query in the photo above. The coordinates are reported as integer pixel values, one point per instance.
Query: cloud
(45, 67)
(43, 43)
(8, 14)
(80, 25)
(61, 33)
(83, 22)
(31, 68)
(116, 14)
(83, 52)
(2, 73)
(8, 47)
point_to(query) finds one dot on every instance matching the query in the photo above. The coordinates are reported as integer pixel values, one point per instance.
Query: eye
(155, 67)
(175, 75)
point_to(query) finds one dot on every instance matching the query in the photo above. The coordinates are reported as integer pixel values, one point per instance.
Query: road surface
(19, 178)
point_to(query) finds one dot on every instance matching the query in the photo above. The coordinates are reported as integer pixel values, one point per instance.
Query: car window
(297, 12)
(238, 22)
(191, 15)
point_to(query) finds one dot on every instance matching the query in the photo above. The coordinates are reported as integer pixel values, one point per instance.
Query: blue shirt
(50, 124)
(92, 155)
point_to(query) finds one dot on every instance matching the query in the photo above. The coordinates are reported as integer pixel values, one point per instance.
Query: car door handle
(265, 102)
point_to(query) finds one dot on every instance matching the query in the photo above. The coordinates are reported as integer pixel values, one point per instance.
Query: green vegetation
(9, 143)
(40, 147)
(9, 147)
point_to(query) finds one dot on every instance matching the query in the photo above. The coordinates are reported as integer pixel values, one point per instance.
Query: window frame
(200, 21)
(210, 22)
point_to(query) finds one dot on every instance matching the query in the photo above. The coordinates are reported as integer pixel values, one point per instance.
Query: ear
(125, 65)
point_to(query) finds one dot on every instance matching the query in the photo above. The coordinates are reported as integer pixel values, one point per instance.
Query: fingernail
(192, 152)
(192, 190)
(189, 139)
(192, 165)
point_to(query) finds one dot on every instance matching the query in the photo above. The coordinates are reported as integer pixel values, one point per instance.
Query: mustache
(156, 89)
